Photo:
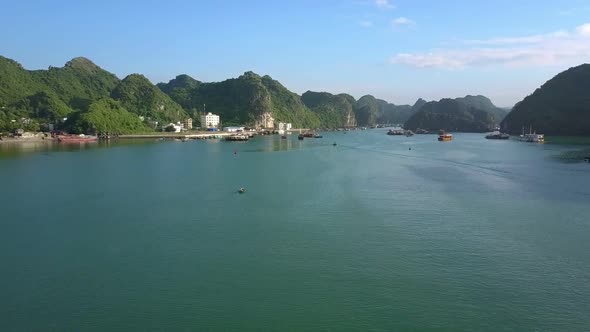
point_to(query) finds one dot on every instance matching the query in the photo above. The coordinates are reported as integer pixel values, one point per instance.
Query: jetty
(200, 135)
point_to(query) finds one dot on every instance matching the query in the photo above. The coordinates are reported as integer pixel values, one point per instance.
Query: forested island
(81, 97)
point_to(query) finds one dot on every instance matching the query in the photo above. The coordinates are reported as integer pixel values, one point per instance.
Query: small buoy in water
(410, 148)
(333, 144)
(242, 190)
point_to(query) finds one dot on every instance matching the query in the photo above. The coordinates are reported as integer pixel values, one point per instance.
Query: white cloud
(384, 4)
(584, 30)
(558, 48)
(366, 24)
(402, 21)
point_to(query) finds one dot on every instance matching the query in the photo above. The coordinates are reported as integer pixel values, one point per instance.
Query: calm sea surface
(366, 235)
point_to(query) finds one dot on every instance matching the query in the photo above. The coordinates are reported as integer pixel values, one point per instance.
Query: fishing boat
(496, 134)
(532, 137)
(76, 138)
(444, 137)
(308, 134)
(395, 132)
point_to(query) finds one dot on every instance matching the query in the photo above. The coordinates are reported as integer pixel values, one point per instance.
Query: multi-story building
(285, 126)
(209, 120)
(188, 124)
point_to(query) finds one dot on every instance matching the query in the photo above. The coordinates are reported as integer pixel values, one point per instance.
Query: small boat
(409, 133)
(497, 135)
(587, 159)
(300, 137)
(318, 136)
(421, 131)
(242, 190)
(76, 138)
(444, 137)
(395, 132)
(308, 134)
(283, 137)
(334, 144)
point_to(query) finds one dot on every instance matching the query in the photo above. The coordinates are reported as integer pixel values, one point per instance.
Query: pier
(199, 135)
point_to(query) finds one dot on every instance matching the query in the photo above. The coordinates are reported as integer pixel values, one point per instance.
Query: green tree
(105, 116)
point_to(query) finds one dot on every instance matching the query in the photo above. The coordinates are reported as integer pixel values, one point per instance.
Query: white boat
(532, 137)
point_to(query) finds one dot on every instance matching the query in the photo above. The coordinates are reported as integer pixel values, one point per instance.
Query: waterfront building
(188, 124)
(209, 120)
(285, 126)
(177, 127)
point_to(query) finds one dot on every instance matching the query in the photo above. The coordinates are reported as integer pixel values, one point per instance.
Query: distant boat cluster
(531, 137)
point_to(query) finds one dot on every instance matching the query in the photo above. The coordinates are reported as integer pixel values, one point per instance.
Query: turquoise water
(366, 235)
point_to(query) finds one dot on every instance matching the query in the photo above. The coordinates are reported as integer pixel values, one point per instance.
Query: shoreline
(11, 140)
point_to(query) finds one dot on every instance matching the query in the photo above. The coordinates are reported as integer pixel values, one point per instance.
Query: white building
(233, 129)
(177, 127)
(285, 126)
(209, 120)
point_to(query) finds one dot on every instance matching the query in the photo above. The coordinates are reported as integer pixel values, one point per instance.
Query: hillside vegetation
(561, 106)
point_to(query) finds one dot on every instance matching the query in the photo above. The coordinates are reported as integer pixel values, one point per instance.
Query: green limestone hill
(49, 95)
(78, 83)
(179, 89)
(418, 104)
(138, 95)
(105, 116)
(450, 115)
(485, 104)
(245, 100)
(370, 111)
(334, 111)
(16, 82)
(561, 106)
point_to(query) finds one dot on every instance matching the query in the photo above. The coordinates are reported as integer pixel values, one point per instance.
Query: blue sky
(397, 50)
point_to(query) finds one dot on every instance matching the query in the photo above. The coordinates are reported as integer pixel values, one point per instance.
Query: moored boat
(395, 132)
(444, 137)
(76, 138)
(497, 135)
(300, 137)
(421, 131)
(532, 137)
